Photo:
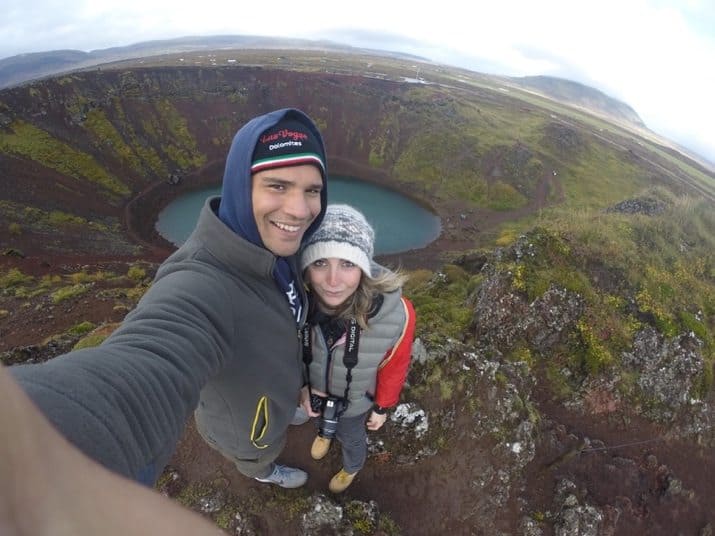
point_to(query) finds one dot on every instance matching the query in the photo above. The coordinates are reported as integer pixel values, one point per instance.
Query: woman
(358, 339)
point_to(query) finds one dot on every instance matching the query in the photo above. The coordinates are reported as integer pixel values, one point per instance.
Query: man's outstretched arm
(48, 487)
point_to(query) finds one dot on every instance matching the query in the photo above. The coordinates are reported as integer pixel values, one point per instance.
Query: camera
(332, 409)
(316, 402)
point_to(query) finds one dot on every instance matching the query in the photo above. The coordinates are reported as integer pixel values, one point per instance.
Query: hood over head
(285, 137)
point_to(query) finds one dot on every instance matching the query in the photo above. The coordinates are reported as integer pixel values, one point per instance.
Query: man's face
(286, 200)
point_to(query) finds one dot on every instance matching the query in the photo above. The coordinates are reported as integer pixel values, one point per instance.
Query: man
(217, 330)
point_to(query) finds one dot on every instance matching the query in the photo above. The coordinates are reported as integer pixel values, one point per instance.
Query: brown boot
(320, 447)
(341, 481)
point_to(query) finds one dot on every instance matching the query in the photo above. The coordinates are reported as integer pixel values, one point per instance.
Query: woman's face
(333, 281)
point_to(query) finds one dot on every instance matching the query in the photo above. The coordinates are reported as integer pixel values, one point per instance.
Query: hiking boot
(301, 416)
(320, 447)
(341, 481)
(285, 477)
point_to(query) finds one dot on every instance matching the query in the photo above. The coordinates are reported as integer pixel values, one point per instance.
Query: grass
(56, 289)
(632, 270)
(68, 292)
(441, 299)
(107, 138)
(29, 141)
(62, 229)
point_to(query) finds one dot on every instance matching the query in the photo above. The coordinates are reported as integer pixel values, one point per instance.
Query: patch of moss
(193, 493)
(182, 147)
(29, 141)
(388, 526)
(65, 293)
(662, 318)
(538, 516)
(560, 384)
(503, 196)
(546, 260)
(384, 144)
(89, 341)
(14, 278)
(136, 273)
(84, 277)
(146, 153)
(135, 293)
(521, 354)
(693, 324)
(291, 503)
(359, 518)
(108, 138)
(441, 302)
(595, 355)
(96, 336)
(57, 217)
(446, 389)
(507, 236)
(81, 328)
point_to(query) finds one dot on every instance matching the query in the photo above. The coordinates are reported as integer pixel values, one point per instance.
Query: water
(400, 224)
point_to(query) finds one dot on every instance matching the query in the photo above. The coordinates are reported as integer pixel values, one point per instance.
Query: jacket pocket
(259, 428)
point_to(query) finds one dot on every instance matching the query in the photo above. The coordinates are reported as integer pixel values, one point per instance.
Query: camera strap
(350, 357)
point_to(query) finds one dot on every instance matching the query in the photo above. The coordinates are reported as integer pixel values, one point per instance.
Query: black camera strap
(350, 357)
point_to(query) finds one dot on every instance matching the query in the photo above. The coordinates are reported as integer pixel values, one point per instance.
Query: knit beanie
(343, 234)
(288, 143)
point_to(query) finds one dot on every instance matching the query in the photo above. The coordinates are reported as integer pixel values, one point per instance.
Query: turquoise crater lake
(400, 223)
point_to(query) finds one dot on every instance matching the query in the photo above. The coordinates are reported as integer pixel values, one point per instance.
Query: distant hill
(578, 94)
(18, 69)
(23, 67)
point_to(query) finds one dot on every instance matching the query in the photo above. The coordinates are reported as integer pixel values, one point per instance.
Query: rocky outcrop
(644, 205)
(667, 370)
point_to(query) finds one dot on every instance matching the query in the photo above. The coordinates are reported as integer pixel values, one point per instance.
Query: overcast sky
(658, 56)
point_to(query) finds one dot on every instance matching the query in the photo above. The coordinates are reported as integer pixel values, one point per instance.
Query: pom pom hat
(343, 234)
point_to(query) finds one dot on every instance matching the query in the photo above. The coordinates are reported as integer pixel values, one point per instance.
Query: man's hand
(305, 402)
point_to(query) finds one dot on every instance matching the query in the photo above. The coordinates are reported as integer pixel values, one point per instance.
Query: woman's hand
(376, 421)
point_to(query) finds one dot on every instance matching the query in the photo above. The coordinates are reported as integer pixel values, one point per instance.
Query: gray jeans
(352, 434)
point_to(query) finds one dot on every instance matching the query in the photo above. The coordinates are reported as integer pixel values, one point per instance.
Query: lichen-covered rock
(411, 416)
(419, 352)
(503, 317)
(328, 517)
(573, 518)
(667, 370)
(324, 515)
(641, 205)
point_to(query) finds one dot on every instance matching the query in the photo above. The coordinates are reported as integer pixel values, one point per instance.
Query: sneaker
(341, 481)
(285, 477)
(301, 416)
(320, 447)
